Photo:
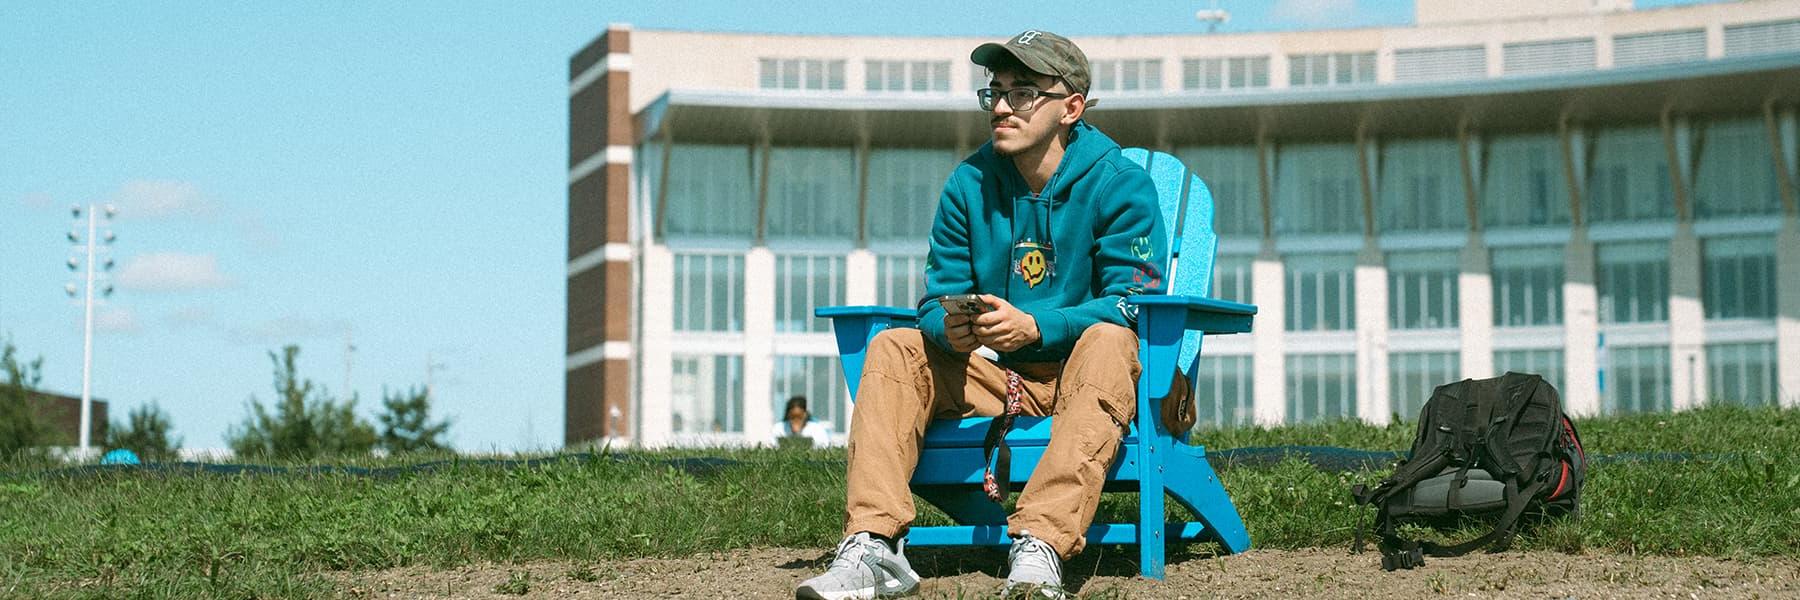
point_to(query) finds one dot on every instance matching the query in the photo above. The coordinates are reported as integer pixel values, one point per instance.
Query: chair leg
(966, 506)
(1195, 485)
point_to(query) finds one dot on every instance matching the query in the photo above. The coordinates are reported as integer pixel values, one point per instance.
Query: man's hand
(1005, 329)
(961, 331)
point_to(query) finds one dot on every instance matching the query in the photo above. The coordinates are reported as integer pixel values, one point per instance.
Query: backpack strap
(1401, 553)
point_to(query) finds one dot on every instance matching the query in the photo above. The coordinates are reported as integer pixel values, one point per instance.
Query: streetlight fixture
(90, 245)
(1212, 17)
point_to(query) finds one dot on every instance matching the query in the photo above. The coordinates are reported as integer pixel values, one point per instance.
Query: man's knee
(1107, 337)
(895, 343)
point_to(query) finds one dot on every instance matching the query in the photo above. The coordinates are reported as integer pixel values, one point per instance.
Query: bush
(145, 433)
(22, 426)
(304, 424)
(407, 427)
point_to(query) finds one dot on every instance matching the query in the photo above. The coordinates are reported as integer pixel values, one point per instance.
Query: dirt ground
(1106, 573)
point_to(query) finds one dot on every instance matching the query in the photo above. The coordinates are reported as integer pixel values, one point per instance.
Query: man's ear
(1074, 106)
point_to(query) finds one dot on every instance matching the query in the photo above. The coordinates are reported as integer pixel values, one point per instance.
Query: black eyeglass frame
(989, 97)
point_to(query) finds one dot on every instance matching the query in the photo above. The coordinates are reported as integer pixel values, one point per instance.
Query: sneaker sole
(808, 593)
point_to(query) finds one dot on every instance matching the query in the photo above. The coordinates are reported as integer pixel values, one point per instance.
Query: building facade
(1601, 195)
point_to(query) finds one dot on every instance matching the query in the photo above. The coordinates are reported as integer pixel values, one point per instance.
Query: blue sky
(296, 173)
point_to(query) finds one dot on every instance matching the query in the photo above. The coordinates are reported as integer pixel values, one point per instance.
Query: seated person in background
(797, 427)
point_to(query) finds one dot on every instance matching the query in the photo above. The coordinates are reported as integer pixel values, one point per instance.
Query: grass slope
(131, 534)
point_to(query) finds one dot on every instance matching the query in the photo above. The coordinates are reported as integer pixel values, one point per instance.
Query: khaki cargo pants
(907, 381)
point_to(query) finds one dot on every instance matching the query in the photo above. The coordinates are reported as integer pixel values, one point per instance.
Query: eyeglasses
(1020, 99)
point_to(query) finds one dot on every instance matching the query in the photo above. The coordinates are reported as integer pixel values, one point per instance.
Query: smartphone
(964, 304)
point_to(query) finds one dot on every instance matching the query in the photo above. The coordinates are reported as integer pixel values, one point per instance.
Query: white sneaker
(864, 568)
(1033, 569)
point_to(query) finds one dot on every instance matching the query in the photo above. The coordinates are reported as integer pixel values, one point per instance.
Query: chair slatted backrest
(1187, 212)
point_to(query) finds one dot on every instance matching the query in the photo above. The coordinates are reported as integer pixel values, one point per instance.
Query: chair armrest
(854, 326)
(1206, 315)
(1163, 323)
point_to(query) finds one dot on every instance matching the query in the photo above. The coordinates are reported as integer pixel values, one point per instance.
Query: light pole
(93, 245)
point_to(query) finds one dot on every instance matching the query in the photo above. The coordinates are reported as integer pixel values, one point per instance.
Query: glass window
(1736, 175)
(711, 193)
(709, 292)
(1739, 278)
(820, 381)
(1637, 381)
(706, 394)
(1524, 183)
(1547, 363)
(904, 188)
(1428, 64)
(1413, 375)
(1331, 69)
(1421, 186)
(1742, 374)
(1225, 73)
(1629, 176)
(1548, 56)
(1317, 189)
(1232, 279)
(1659, 47)
(1232, 175)
(1321, 292)
(1321, 387)
(1226, 391)
(804, 282)
(1633, 282)
(1128, 75)
(812, 194)
(800, 74)
(891, 76)
(900, 279)
(1527, 286)
(1422, 290)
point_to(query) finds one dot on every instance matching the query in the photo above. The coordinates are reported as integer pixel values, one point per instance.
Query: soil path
(1314, 573)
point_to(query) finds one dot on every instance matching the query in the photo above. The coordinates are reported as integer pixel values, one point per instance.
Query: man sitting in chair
(1051, 227)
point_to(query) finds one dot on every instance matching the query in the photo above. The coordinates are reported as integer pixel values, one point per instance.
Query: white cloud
(1312, 12)
(189, 317)
(289, 330)
(116, 319)
(153, 198)
(171, 272)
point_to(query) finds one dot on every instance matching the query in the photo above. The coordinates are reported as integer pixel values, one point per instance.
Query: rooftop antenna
(1213, 17)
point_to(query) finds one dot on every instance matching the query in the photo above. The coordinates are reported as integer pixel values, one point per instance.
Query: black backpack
(1491, 448)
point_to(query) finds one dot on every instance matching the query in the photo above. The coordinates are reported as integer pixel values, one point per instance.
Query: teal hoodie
(1069, 257)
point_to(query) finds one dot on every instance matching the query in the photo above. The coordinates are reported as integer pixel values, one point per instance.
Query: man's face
(1033, 125)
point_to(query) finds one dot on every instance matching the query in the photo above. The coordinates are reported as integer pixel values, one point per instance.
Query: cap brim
(988, 54)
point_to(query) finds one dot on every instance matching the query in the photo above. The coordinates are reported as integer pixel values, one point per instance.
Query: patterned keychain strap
(996, 480)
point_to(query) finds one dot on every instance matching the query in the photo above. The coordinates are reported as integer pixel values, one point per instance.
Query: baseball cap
(1041, 51)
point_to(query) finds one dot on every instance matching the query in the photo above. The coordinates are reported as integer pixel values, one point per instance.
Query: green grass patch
(139, 533)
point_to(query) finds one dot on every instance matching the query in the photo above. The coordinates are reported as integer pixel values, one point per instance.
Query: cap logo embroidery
(1026, 38)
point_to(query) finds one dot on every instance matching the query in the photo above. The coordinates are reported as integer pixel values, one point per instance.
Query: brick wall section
(597, 396)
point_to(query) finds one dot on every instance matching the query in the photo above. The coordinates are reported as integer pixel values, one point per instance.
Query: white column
(1715, 40)
(860, 284)
(655, 356)
(1687, 331)
(1384, 65)
(1581, 328)
(1603, 52)
(759, 342)
(1268, 290)
(1279, 71)
(1496, 59)
(1787, 319)
(1373, 402)
(1475, 306)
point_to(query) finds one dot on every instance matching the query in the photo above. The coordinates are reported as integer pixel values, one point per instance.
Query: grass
(128, 533)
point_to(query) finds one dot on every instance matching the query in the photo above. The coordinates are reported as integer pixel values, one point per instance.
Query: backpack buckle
(1404, 559)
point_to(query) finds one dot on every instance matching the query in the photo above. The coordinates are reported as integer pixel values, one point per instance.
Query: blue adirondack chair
(1151, 461)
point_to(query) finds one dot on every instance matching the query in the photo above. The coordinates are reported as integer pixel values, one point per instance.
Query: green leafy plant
(406, 423)
(22, 425)
(305, 423)
(145, 432)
